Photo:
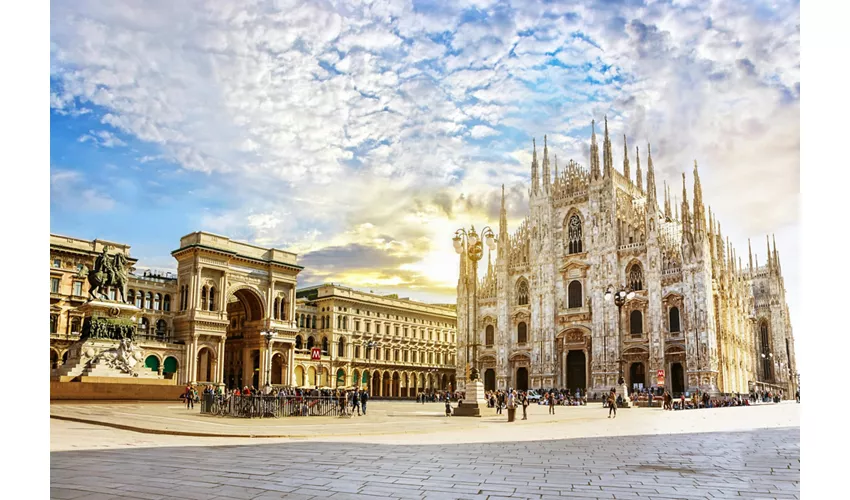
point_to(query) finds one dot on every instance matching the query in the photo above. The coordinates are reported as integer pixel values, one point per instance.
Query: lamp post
(471, 243)
(269, 336)
(620, 297)
(371, 344)
(767, 365)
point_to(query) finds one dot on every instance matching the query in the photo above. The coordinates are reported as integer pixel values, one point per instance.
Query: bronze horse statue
(109, 271)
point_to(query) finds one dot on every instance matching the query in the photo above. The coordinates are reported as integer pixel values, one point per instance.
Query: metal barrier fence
(272, 406)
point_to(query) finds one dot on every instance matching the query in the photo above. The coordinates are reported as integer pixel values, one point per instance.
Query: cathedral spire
(535, 181)
(686, 212)
(638, 173)
(546, 178)
(626, 170)
(750, 249)
(594, 152)
(769, 260)
(651, 198)
(711, 239)
(667, 214)
(607, 158)
(676, 208)
(699, 208)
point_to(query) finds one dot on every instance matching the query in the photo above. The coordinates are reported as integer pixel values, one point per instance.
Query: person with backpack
(364, 398)
(612, 403)
(524, 399)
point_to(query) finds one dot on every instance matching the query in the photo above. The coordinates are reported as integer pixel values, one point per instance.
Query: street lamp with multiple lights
(470, 241)
(371, 344)
(620, 297)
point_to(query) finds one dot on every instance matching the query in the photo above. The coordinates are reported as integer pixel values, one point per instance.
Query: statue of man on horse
(109, 271)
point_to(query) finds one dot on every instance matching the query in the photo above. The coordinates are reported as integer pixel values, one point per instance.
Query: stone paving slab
(673, 466)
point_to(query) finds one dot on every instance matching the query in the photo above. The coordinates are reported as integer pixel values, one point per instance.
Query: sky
(361, 135)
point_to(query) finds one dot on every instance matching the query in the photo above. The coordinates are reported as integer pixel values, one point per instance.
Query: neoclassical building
(699, 317)
(206, 324)
(396, 347)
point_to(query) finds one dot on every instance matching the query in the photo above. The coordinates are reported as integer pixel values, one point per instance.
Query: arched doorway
(375, 386)
(311, 377)
(299, 376)
(340, 378)
(245, 311)
(386, 388)
(677, 378)
(54, 359)
(637, 375)
(206, 360)
(396, 385)
(489, 379)
(576, 371)
(152, 363)
(355, 378)
(277, 369)
(522, 379)
(170, 367)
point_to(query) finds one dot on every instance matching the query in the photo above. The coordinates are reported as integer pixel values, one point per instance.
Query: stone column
(220, 364)
(247, 366)
(290, 367)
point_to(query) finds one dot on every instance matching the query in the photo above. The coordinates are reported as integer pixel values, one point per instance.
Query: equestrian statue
(109, 271)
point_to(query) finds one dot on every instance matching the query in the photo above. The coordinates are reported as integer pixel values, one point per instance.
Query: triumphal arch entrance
(231, 296)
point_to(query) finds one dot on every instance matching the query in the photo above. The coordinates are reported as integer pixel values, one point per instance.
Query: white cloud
(244, 93)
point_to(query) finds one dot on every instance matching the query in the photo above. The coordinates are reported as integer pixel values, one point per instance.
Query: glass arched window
(140, 299)
(75, 325)
(131, 296)
(522, 293)
(144, 325)
(203, 298)
(325, 346)
(166, 303)
(636, 323)
(54, 323)
(148, 300)
(161, 328)
(276, 308)
(489, 336)
(636, 277)
(767, 363)
(310, 342)
(574, 234)
(212, 299)
(574, 294)
(522, 333)
(674, 320)
(157, 302)
(299, 343)
(340, 350)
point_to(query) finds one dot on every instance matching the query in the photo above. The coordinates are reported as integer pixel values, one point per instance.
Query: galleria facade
(699, 317)
(208, 323)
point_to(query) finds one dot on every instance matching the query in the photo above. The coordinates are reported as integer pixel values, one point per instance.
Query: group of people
(438, 396)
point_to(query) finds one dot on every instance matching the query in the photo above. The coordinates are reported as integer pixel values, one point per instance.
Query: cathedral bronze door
(576, 371)
(637, 375)
(677, 378)
(489, 379)
(522, 379)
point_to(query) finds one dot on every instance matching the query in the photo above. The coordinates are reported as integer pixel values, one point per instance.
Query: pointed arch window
(212, 299)
(522, 333)
(636, 277)
(489, 336)
(767, 362)
(148, 300)
(522, 293)
(574, 294)
(636, 323)
(574, 234)
(298, 342)
(674, 320)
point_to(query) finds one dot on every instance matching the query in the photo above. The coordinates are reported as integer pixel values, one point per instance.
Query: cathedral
(698, 318)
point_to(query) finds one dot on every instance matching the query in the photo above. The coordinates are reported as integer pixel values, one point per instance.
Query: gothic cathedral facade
(698, 317)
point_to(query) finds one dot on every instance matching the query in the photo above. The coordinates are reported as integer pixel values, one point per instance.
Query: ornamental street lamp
(470, 242)
(620, 297)
(368, 346)
(269, 336)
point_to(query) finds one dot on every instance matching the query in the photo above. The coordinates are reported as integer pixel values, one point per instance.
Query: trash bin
(511, 414)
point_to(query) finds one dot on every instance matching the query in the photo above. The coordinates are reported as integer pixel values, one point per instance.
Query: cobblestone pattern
(753, 464)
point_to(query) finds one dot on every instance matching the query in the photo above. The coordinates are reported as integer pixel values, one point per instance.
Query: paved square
(497, 461)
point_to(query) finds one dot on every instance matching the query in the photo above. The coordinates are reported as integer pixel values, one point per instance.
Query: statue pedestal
(473, 401)
(106, 350)
(623, 390)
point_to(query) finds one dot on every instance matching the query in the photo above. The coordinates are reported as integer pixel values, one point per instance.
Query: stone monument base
(623, 390)
(472, 402)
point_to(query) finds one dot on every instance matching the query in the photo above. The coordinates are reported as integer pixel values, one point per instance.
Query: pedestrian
(650, 399)
(364, 398)
(355, 396)
(499, 404)
(448, 408)
(524, 406)
(612, 404)
(551, 403)
(797, 395)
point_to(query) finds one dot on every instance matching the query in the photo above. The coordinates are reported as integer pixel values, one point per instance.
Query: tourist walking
(552, 403)
(612, 404)
(448, 408)
(797, 395)
(364, 398)
(524, 406)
